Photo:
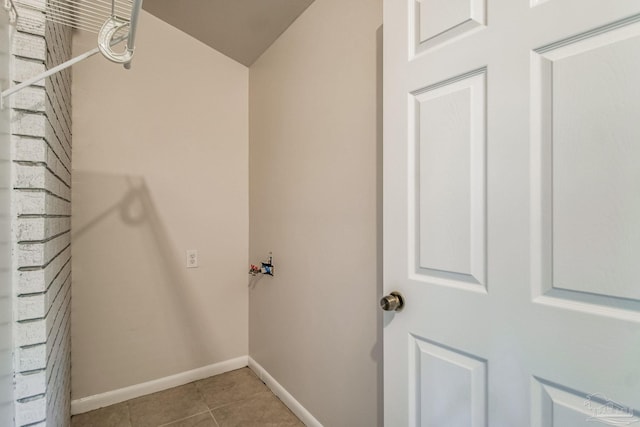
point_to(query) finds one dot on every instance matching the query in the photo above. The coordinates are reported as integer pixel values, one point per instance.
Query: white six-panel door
(512, 212)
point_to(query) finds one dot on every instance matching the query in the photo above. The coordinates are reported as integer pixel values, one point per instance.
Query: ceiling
(240, 29)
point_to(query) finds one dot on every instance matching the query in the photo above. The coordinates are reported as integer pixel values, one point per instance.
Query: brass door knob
(392, 302)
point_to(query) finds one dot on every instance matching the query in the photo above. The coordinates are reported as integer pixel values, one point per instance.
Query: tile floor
(235, 399)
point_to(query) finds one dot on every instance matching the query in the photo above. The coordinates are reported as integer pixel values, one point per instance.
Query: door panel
(589, 167)
(438, 21)
(555, 405)
(512, 212)
(451, 385)
(450, 183)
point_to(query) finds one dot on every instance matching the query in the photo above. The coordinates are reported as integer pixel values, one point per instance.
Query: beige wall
(314, 181)
(159, 166)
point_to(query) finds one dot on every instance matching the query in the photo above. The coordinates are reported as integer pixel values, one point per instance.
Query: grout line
(249, 397)
(185, 418)
(214, 418)
(128, 413)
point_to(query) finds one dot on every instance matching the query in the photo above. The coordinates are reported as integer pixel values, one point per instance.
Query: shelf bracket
(11, 9)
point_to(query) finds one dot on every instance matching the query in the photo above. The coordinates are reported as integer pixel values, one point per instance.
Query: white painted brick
(56, 57)
(29, 46)
(40, 203)
(31, 21)
(53, 131)
(30, 176)
(31, 411)
(50, 134)
(38, 280)
(30, 202)
(39, 150)
(58, 114)
(61, 117)
(60, 410)
(59, 356)
(58, 369)
(41, 128)
(33, 4)
(32, 281)
(31, 98)
(58, 167)
(32, 358)
(36, 306)
(57, 186)
(30, 229)
(38, 177)
(29, 149)
(60, 153)
(58, 346)
(39, 254)
(62, 89)
(54, 226)
(23, 69)
(59, 286)
(31, 307)
(31, 255)
(30, 333)
(28, 124)
(40, 228)
(60, 40)
(56, 318)
(31, 384)
(60, 83)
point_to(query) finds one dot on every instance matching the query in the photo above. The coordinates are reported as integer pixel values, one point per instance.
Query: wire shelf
(86, 15)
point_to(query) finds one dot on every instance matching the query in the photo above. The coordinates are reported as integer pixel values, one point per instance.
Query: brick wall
(6, 272)
(41, 138)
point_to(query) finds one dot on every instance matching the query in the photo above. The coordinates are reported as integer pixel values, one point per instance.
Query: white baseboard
(90, 403)
(277, 389)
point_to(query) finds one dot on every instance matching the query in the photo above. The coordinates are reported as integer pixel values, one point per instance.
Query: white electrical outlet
(192, 258)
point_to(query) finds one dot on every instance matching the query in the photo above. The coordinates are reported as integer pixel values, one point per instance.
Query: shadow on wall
(133, 300)
(133, 208)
